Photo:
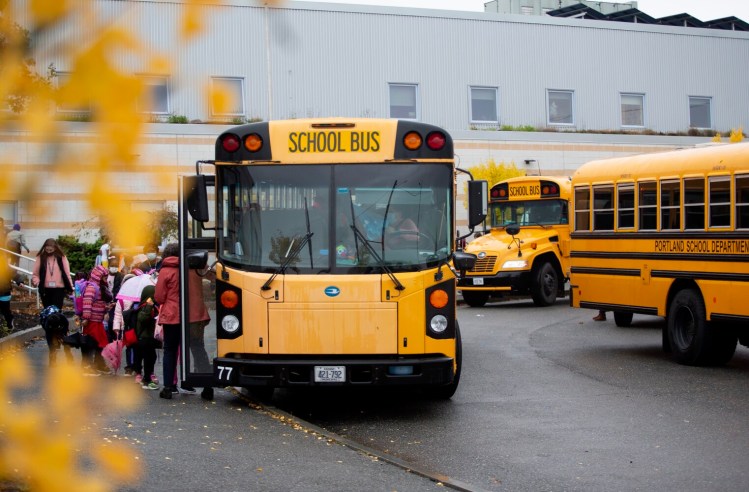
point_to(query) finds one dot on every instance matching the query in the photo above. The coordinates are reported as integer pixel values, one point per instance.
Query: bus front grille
(484, 265)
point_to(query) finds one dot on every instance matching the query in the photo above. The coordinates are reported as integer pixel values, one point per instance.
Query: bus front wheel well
(676, 287)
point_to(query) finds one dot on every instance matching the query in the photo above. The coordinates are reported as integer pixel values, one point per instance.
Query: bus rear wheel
(475, 298)
(693, 340)
(544, 284)
(622, 320)
(446, 392)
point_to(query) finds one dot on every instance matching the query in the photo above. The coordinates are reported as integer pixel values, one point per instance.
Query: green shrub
(81, 256)
(177, 118)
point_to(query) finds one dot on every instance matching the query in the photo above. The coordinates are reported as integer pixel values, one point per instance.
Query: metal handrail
(27, 273)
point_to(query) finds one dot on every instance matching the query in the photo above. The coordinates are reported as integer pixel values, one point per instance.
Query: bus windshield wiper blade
(380, 261)
(287, 261)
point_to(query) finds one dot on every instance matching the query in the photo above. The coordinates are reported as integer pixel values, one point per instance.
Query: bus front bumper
(516, 282)
(428, 370)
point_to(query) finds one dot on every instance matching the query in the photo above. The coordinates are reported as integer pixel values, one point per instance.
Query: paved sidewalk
(231, 444)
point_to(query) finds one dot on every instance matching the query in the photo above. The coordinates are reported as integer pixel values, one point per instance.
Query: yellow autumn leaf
(45, 11)
(117, 460)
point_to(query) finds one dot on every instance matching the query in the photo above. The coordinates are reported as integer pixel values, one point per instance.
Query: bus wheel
(545, 285)
(622, 320)
(694, 341)
(447, 391)
(475, 298)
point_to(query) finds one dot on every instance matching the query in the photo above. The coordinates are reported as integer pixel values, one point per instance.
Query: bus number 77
(221, 370)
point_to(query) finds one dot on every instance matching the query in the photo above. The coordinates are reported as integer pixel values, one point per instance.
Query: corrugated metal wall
(332, 59)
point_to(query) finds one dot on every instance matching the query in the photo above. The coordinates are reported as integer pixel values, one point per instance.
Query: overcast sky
(702, 9)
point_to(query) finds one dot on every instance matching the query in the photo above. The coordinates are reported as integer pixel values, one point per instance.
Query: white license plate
(330, 374)
(478, 281)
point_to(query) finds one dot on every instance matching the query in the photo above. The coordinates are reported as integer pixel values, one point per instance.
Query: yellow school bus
(333, 241)
(667, 234)
(526, 250)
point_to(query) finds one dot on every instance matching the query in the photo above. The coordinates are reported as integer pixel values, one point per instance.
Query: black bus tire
(544, 284)
(622, 320)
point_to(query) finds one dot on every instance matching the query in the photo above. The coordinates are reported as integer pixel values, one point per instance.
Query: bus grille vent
(484, 265)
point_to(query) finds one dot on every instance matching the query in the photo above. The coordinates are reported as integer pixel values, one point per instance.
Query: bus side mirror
(478, 193)
(197, 197)
(464, 261)
(197, 260)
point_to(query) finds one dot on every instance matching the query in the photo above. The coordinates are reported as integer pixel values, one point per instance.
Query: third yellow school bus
(526, 250)
(667, 234)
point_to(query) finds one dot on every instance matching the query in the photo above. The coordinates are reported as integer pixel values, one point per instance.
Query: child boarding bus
(667, 234)
(526, 251)
(333, 242)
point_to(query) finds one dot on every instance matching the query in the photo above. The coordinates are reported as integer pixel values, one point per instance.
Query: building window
(9, 213)
(603, 208)
(694, 203)
(625, 206)
(700, 112)
(648, 205)
(526, 10)
(720, 202)
(633, 110)
(155, 97)
(742, 201)
(228, 99)
(64, 105)
(404, 101)
(670, 205)
(560, 105)
(582, 208)
(484, 105)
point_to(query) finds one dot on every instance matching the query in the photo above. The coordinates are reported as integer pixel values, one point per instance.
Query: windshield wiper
(290, 256)
(380, 261)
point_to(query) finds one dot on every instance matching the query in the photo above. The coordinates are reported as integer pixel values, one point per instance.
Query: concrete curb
(17, 340)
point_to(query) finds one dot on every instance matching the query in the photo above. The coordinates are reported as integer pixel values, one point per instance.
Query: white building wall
(310, 59)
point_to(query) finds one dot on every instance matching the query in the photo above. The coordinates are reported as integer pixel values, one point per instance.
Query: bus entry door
(197, 288)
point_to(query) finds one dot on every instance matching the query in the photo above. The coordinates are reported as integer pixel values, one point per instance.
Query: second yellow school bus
(667, 234)
(526, 250)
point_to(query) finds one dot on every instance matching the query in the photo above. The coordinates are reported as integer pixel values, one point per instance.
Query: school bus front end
(318, 281)
(336, 330)
(526, 251)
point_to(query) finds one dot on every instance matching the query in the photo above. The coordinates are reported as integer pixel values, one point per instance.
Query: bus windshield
(342, 218)
(529, 212)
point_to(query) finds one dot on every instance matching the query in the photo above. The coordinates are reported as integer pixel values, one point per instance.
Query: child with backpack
(145, 328)
(96, 299)
(55, 326)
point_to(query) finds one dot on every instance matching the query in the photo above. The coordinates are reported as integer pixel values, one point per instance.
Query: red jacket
(167, 291)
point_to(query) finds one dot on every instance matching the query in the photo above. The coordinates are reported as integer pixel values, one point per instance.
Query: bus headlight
(438, 323)
(230, 323)
(515, 264)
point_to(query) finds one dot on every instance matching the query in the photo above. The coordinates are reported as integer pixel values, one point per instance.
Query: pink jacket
(167, 291)
(198, 309)
(53, 273)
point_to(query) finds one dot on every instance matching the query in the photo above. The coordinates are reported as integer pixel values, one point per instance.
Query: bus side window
(648, 202)
(582, 208)
(742, 202)
(603, 211)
